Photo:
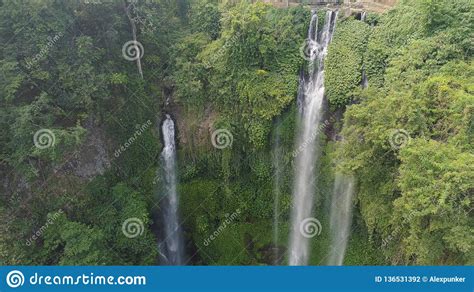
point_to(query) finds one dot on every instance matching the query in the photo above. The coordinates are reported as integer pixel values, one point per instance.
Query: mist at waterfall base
(171, 246)
(310, 101)
(341, 217)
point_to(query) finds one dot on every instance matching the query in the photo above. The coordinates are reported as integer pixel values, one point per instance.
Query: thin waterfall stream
(277, 181)
(310, 103)
(172, 244)
(341, 204)
(340, 217)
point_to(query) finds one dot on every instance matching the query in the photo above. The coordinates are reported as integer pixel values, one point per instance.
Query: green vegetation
(421, 75)
(344, 61)
(235, 66)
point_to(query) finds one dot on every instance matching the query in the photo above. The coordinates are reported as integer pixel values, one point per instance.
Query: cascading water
(365, 81)
(173, 243)
(277, 157)
(310, 103)
(341, 217)
(341, 205)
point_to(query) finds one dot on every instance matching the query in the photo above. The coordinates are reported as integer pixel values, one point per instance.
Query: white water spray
(341, 217)
(310, 105)
(173, 242)
(277, 181)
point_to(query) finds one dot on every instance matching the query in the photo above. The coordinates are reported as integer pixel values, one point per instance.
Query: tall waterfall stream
(311, 103)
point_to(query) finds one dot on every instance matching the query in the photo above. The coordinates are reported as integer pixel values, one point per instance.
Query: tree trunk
(134, 36)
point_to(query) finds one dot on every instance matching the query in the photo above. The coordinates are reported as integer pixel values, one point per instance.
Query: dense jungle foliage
(407, 138)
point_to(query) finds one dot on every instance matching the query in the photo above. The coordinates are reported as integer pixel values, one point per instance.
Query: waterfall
(277, 158)
(173, 242)
(341, 217)
(341, 205)
(310, 103)
(365, 80)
